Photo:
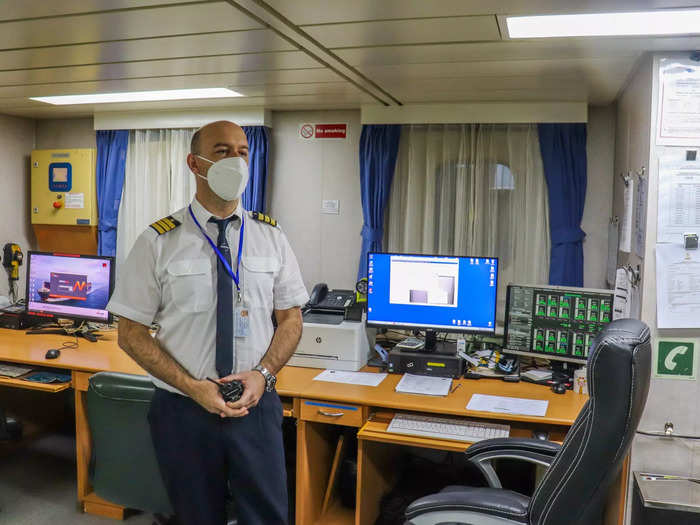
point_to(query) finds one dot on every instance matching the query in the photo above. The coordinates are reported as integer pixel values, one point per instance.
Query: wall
(303, 173)
(62, 133)
(16, 144)
(599, 200)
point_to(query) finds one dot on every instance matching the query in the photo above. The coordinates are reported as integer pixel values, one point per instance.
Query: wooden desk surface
(105, 355)
(562, 409)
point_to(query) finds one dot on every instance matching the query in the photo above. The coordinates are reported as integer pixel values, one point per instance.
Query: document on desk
(351, 378)
(426, 385)
(508, 405)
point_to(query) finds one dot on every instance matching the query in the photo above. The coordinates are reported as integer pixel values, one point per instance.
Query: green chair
(124, 469)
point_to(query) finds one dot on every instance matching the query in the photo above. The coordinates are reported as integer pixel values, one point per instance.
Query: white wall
(65, 134)
(16, 144)
(303, 173)
(599, 198)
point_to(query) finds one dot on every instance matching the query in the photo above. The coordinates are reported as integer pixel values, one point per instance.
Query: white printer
(328, 339)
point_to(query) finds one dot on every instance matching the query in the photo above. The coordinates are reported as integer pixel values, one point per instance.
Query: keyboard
(446, 428)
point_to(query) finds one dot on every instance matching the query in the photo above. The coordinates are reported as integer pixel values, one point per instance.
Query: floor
(38, 486)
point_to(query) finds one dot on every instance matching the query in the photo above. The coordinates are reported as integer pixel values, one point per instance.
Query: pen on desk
(455, 388)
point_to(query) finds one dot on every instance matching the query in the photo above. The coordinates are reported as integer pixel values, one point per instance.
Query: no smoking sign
(323, 131)
(306, 131)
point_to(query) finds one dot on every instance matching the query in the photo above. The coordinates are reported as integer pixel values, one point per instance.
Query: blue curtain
(379, 145)
(111, 161)
(563, 148)
(259, 147)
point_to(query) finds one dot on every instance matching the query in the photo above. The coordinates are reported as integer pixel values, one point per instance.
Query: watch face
(361, 286)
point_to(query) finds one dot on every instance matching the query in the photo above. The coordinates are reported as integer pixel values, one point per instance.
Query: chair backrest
(574, 489)
(124, 466)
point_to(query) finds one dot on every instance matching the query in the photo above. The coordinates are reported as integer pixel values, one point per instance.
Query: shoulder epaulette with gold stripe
(258, 216)
(165, 225)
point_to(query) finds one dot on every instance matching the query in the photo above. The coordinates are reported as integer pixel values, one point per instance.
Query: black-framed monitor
(432, 292)
(555, 322)
(69, 286)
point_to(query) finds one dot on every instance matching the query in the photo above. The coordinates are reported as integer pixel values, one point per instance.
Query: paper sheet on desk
(427, 385)
(351, 378)
(508, 405)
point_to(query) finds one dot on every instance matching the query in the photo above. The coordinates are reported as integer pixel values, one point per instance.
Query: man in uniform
(210, 276)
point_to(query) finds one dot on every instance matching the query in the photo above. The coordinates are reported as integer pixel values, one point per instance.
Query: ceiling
(308, 54)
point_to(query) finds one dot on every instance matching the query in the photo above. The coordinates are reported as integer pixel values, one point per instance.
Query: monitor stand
(84, 332)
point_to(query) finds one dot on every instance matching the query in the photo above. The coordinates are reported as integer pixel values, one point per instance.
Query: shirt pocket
(191, 284)
(259, 279)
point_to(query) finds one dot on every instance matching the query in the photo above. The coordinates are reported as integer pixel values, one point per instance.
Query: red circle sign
(307, 131)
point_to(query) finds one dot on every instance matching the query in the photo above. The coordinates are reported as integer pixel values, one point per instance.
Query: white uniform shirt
(171, 279)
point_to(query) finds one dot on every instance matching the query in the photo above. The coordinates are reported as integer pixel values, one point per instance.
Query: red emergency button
(57, 204)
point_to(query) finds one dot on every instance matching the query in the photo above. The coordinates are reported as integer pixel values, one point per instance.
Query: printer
(335, 333)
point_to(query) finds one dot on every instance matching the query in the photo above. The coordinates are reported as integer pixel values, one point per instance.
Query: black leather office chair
(124, 469)
(574, 487)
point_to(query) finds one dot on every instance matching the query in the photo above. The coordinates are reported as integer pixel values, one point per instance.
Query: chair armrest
(511, 446)
(536, 451)
(504, 504)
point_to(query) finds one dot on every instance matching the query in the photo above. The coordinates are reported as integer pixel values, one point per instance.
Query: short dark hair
(194, 143)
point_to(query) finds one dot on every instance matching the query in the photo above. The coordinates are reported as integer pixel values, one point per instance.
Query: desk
(318, 449)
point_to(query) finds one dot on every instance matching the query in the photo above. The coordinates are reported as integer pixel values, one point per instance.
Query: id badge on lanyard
(241, 319)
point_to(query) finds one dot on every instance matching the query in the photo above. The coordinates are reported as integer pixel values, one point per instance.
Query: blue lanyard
(220, 255)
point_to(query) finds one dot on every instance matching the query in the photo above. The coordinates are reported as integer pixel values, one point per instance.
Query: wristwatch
(270, 380)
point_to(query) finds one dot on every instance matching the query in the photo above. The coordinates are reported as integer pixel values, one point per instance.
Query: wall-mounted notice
(309, 131)
(627, 216)
(677, 286)
(640, 217)
(679, 104)
(679, 194)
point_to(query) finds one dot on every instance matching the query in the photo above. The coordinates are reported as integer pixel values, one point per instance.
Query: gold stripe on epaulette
(263, 218)
(165, 225)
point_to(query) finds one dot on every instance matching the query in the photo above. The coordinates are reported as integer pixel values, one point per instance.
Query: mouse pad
(48, 377)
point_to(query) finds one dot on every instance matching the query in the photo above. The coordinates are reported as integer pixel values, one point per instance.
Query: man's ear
(192, 164)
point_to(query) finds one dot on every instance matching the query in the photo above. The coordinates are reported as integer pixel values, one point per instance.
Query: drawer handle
(331, 414)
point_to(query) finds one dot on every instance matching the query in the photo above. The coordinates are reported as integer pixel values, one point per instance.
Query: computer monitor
(432, 292)
(69, 286)
(555, 322)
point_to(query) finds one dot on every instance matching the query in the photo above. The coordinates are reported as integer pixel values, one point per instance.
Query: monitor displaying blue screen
(444, 293)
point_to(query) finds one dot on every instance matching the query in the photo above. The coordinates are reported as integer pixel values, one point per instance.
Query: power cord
(666, 433)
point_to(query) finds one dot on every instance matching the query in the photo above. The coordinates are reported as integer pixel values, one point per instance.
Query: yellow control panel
(64, 187)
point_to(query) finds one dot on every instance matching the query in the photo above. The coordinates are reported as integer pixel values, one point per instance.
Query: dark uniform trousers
(200, 454)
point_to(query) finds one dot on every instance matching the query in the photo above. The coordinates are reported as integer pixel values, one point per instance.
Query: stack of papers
(13, 370)
(538, 374)
(351, 378)
(427, 385)
(508, 405)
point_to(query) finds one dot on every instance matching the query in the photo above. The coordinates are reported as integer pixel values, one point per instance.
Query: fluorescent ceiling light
(664, 22)
(139, 96)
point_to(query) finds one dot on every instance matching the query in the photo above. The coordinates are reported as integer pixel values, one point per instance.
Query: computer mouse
(559, 388)
(53, 353)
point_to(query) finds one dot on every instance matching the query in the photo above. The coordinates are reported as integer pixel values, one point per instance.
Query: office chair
(123, 468)
(574, 487)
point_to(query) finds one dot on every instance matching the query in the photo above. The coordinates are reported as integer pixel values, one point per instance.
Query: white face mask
(227, 177)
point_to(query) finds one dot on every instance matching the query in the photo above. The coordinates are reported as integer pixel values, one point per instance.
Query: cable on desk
(69, 344)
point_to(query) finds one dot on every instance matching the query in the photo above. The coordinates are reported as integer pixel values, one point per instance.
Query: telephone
(324, 299)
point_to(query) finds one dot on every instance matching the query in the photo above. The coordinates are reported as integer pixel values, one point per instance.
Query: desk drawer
(333, 413)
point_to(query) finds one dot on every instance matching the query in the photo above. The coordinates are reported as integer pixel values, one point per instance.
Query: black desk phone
(324, 299)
